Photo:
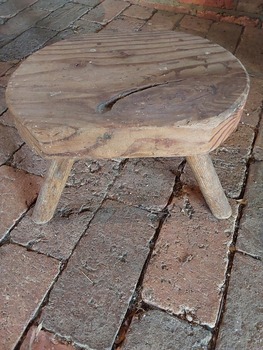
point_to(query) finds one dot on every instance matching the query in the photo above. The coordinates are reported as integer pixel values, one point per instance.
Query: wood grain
(128, 95)
(210, 185)
(50, 193)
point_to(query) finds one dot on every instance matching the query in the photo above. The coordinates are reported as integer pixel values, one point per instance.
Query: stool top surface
(127, 80)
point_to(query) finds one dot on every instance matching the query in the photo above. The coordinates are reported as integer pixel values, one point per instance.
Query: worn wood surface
(128, 95)
(210, 185)
(50, 193)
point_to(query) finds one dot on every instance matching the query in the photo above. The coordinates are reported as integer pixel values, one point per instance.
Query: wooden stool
(158, 94)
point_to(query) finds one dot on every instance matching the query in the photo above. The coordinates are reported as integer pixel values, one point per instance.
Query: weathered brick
(242, 20)
(227, 4)
(254, 102)
(91, 297)
(258, 148)
(75, 210)
(49, 5)
(63, 17)
(3, 106)
(19, 24)
(9, 142)
(231, 158)
(125, 24)
(252, 58)
(18, 190)
(11, 7)
(4, 67)
(241, 327)
(138, 12)
(195, 25)
(25, 44)
(91, 3)
(255, 6)
(38, 339)
(156, 330)
(29, 161)
(83, 26)
(146, 183)
(6, 119)
(106, 11)
(225, 34)
(26, 277)
(162, 20)
(186, 273)
(250, 235)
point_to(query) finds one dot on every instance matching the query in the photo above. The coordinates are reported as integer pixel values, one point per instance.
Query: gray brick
(25, 44)
(11, 7)
(91, 297)
(242, 322)
(19, 24)
(63, 17)
(49, 5)
(156, 330)
(250, 236)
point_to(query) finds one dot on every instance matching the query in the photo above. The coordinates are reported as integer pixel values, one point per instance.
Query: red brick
(242, 20)
(225, 34)
(252, 108)
(186, 273)
(91, 297)
(9, 142)
(252, 58)
(7, 119)
(146, 183)
(125, 24)
(227, 4)
(88, 182)
(162, 21)
(156, 330)
(26, 277)
(250, 237)
(195, 24)
(138, 12)
(29, 161)
(241, 327)
(255, 6)
(106, 11)
(38, 339)
(214, 16)
(18, 191)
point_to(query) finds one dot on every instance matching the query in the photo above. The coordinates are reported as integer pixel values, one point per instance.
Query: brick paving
(133, 259)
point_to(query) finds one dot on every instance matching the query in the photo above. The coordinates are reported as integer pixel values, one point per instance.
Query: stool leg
(51, 190)
(210, 185)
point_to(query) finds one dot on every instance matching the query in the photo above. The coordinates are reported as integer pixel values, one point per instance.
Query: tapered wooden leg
(51, 190)
(210, 185)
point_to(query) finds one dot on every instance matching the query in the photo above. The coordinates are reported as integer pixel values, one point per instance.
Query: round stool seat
(109, 95)
(128, 95)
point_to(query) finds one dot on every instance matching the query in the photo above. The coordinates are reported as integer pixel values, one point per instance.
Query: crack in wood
(106, 106)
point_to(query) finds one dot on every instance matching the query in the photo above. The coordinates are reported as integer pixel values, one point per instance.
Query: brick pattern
(110, 210)
(189, 260)
(25, 279)
(91, 297)
(242, 323)
(18, 191)
(156, 330)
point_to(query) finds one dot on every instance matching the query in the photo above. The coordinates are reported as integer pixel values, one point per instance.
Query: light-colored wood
(50, 193)
(210, 185)
(128, 95)
(157, 94)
